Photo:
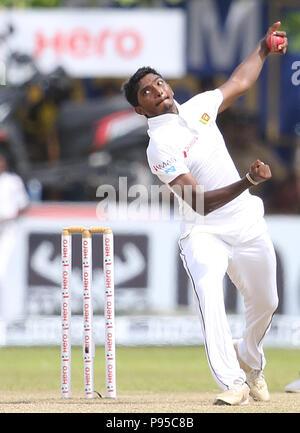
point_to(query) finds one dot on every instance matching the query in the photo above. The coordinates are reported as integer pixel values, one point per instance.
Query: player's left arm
(245, 75)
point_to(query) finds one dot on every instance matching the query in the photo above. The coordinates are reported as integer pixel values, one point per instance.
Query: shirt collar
(163, 118)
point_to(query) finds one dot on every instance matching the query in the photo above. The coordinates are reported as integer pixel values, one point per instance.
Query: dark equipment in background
(62, 147)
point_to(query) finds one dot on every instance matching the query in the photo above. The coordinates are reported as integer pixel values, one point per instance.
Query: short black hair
(130, 88)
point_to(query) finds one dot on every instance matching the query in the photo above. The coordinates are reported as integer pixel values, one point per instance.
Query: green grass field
(171, 369)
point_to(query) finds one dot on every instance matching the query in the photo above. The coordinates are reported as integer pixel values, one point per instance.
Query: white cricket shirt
(191, 142)
(13, 196)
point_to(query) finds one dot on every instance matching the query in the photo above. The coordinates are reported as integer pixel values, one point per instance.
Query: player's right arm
(212, 200)
(246, 74)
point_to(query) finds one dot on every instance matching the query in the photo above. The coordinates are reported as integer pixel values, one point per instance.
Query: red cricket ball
(274, 41)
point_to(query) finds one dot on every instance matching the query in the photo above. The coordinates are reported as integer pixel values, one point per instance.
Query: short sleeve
(165, 164)
(215, 98)
(203, 107)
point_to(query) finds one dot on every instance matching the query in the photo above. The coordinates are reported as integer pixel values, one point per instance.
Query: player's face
(155, 97)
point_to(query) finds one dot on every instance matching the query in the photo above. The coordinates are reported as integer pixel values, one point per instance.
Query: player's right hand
(273, 31)
(259, 171)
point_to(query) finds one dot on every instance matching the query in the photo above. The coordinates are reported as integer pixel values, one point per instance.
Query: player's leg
(252, 268)
(293, 386)
(205, 258)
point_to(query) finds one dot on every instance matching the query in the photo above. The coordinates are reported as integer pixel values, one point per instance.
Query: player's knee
(272, 304)
(275, 304)
(267, 305)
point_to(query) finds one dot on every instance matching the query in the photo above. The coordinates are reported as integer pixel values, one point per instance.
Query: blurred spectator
(13, 203)
(293, 386)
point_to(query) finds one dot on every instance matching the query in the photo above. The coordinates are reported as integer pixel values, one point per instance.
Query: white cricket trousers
(251, 266)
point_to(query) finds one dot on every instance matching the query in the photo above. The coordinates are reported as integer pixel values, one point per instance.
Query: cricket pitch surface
(140, 402)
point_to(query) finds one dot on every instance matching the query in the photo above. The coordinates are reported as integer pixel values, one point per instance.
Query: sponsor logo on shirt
(188, 146)
(204, 118)
(164, 164)
(170, 170)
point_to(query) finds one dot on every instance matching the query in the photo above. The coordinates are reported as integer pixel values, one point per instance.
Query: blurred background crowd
(65, 133)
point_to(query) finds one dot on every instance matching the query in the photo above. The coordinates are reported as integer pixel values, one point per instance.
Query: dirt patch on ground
(134, 402)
